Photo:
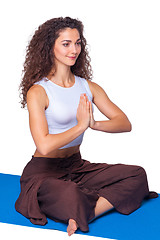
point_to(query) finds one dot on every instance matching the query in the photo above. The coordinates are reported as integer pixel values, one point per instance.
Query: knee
(58, 189)
(142, 175)
(71, 189)
(142, 171)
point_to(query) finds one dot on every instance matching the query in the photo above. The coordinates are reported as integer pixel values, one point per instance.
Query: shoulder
(36, 91)
(36, 95)
(92, 84)
(96, 89)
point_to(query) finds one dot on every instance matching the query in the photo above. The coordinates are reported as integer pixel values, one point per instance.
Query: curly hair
(40, 56)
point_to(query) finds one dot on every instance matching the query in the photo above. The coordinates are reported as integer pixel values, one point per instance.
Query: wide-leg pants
(64, 188)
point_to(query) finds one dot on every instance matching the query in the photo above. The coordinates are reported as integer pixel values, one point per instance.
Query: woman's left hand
(92, 121)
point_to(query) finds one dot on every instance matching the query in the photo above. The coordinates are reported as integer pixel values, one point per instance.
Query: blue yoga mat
(142, 224)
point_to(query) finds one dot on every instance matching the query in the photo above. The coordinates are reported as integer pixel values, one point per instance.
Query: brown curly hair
(40, 57)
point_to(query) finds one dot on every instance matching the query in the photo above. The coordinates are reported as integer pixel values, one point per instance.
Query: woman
(57, 183)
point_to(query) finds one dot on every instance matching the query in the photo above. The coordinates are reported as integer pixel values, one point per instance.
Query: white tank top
(63, 104)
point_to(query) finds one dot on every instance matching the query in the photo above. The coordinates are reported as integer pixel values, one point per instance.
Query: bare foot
(72, 227)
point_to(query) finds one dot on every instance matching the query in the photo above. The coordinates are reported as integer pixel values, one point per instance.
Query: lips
(72, 57)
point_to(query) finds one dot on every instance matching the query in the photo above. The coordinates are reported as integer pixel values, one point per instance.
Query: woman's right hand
(83, 113)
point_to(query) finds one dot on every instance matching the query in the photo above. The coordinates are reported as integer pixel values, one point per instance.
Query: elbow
(45, 145)
(128, 127)
(44, 149)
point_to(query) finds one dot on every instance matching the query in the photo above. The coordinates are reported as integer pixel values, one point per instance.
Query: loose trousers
(64, 188)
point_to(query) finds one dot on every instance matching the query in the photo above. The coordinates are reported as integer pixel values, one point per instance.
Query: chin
(68, 62)
(71, 64)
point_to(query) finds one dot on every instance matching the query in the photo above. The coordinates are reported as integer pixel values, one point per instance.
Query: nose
(74, 49)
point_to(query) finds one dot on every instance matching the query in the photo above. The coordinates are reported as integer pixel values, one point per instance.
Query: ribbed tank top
(63, 104)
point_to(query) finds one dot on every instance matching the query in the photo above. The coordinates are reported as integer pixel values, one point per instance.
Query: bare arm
(45, 142)
(118, 121)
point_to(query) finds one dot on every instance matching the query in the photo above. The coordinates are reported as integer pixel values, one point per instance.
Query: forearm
(52, 142)
(115, 125)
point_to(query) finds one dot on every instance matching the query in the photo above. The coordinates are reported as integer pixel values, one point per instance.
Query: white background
(124, 45)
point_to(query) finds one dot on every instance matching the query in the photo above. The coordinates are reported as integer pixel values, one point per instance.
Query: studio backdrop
(123, 41)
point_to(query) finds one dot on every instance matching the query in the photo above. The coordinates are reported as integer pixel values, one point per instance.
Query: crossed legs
(130, 183)
(132, 179)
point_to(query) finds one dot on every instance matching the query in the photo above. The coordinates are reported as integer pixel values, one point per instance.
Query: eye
(65, 44)
(78, 43)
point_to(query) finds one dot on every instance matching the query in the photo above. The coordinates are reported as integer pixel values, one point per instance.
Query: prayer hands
(85, 113)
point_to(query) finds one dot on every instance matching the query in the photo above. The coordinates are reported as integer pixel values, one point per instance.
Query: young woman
(57, 183)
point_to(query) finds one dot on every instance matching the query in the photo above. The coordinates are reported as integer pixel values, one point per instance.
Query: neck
(62, 75)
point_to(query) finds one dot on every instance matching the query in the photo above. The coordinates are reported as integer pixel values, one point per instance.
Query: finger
(83, 99)
(90, 106)
(90, 109)
(86, 100)
(86, 97)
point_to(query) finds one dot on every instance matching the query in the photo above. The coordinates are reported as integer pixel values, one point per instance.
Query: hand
(92, 121)
(83, 112)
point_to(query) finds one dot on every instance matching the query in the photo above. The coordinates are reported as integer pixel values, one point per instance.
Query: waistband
(75, 155)
(65, 162)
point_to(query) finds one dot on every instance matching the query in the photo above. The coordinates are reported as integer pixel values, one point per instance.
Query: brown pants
(64, 188)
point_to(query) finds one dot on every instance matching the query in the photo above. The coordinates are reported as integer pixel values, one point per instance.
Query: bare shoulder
(36, 91)
(36, 95)
(96, 89)
(102, 101)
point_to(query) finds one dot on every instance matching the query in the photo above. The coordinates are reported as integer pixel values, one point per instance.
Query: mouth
(72, 57)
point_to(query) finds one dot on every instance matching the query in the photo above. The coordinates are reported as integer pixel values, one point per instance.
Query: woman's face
(67, 47)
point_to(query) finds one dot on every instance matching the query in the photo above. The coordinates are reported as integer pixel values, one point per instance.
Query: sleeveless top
(63, 104)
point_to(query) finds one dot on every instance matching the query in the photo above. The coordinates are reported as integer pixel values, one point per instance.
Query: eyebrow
(70, 40)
